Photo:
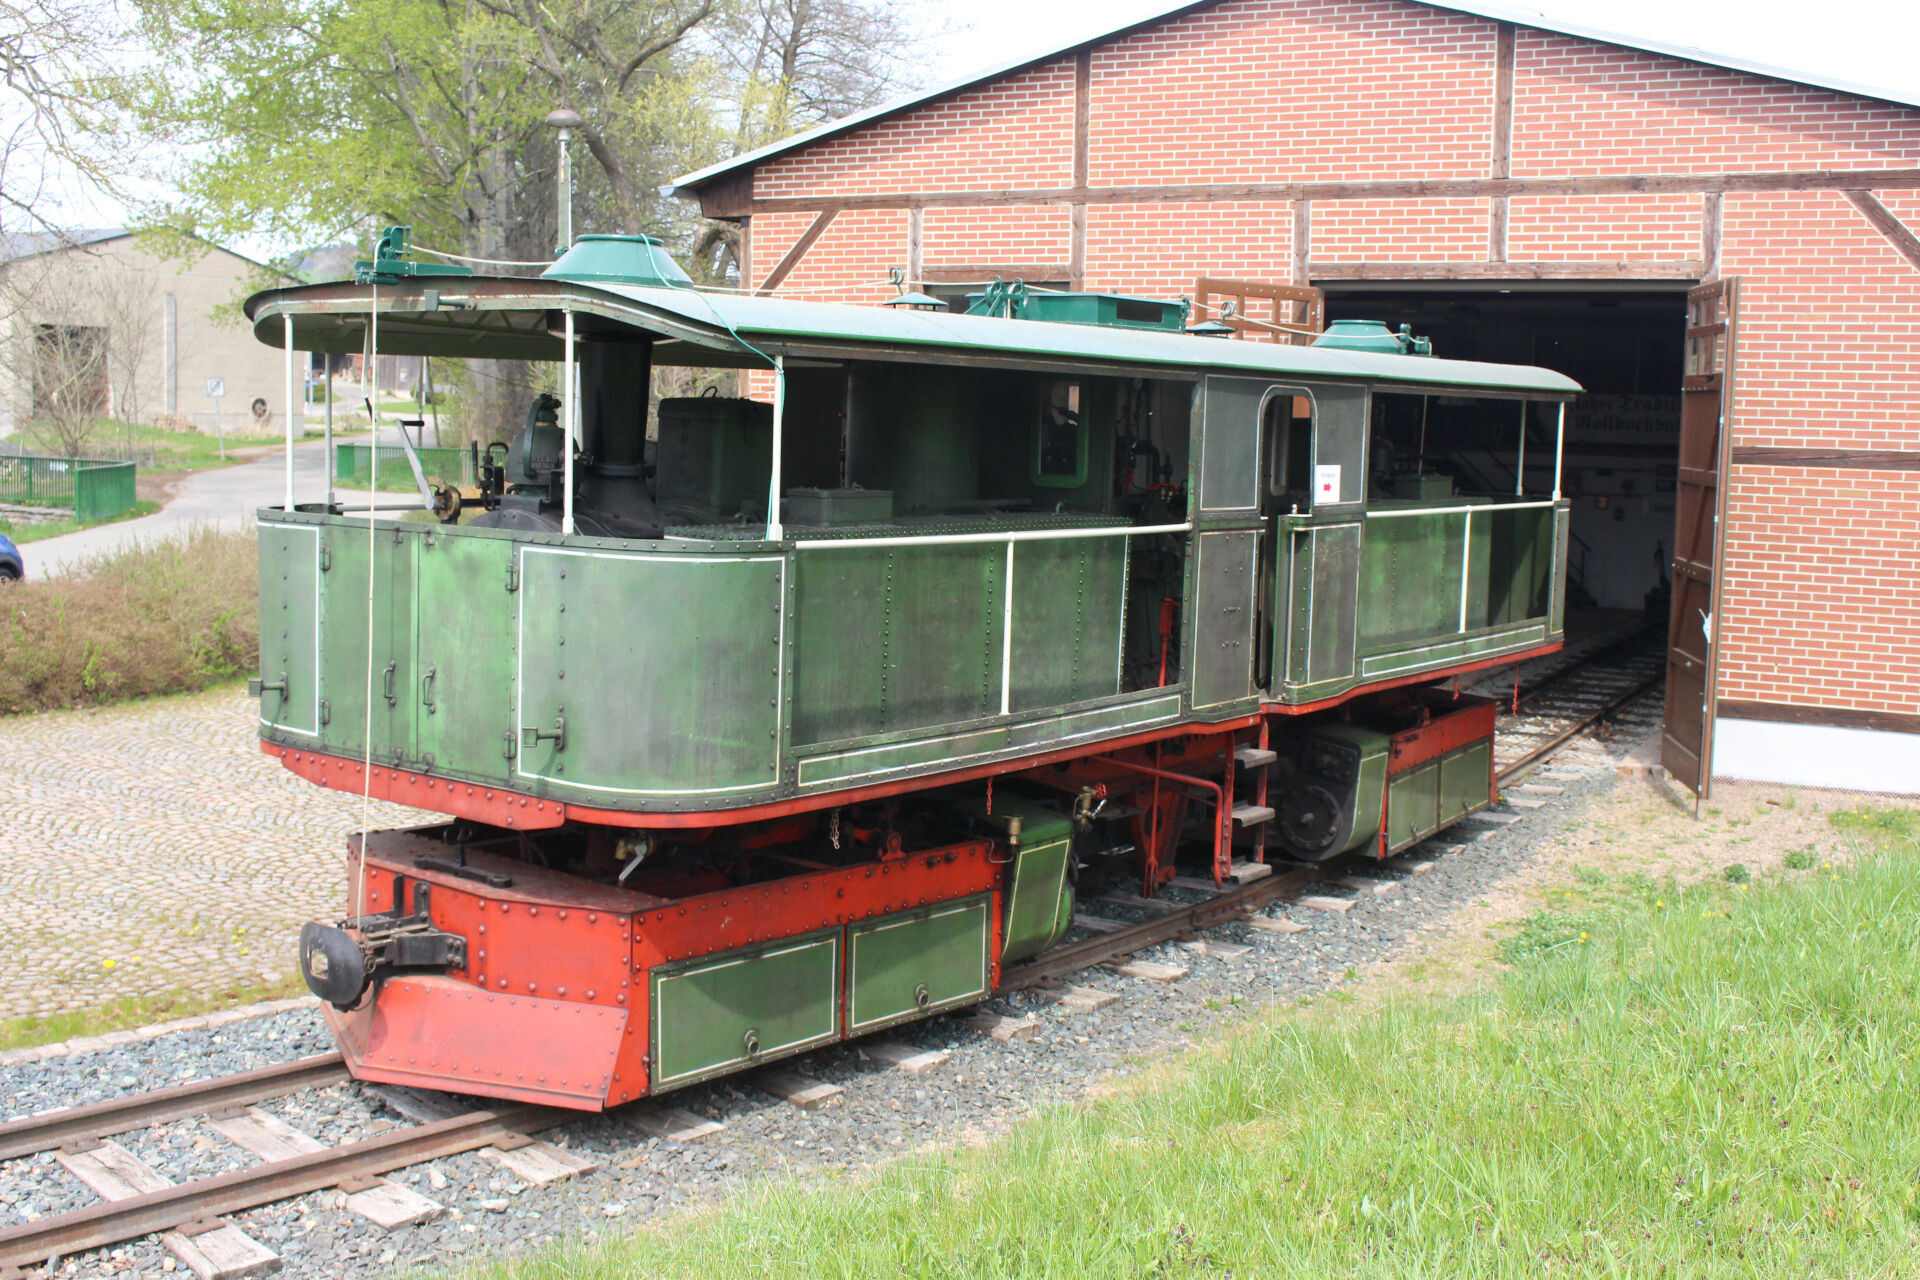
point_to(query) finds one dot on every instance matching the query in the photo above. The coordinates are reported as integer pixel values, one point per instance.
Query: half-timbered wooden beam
(1082, 150)
(785, 266)
(1381, 189)
(1502, 166)
(1712, 219)
(1887, 223)
(1842, 459)
(1302, 240)
(1322, 272)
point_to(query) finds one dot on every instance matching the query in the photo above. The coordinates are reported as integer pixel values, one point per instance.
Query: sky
(1867, 42)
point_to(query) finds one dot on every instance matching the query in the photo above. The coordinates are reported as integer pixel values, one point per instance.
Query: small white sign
(216, 387)
(1326, 482)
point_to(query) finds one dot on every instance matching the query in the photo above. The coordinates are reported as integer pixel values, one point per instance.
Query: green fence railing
(353, 465)
(95, 488)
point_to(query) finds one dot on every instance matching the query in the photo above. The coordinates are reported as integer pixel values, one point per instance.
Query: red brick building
(1541, 196)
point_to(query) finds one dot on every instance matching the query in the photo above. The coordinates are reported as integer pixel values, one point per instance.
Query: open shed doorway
(1625, 345)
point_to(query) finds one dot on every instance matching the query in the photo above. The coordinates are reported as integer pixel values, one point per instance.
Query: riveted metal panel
(1410, 580)
(1466, 781)
(896, 638)
(665, 668)
(1413, 805)
(368, 569)
(1230, 444)
(463, 685)
(1322, 570)
(290, 626)
(1067, 601)
(919, 962)
(1035, 918)
(1223, 626)
(720, 1012)
(1562, 526)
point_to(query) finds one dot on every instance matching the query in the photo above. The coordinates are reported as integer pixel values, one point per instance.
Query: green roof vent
(1374, 336)
(639, 260)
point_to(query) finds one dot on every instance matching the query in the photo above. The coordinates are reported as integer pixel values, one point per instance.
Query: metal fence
(353, 465)
(95, 488)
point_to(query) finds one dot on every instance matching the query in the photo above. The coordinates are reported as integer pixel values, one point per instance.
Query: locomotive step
(1252, 815)
(1254, 757)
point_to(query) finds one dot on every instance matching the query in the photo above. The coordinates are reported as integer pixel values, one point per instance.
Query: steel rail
(97, 1120)
(1553, 744)
(1184, 921)
(1623, 647)
(1180, 922)
(114, 1221)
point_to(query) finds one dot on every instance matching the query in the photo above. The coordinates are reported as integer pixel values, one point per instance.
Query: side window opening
(1288, 432)
(1060, 437)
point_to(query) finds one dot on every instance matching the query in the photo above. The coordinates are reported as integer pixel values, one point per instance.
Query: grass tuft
(170, 616)
(1716, 1081)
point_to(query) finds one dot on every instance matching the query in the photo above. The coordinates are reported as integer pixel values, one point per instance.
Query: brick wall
(1820, 578)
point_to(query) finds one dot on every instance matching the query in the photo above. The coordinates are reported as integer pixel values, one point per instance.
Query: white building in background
(134, 328)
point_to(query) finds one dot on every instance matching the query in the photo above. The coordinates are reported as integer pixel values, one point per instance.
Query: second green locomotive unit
(763, 723)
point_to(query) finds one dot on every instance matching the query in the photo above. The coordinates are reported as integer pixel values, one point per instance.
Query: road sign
(216, 387)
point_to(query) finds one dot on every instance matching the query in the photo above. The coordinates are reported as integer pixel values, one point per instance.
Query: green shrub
(169, 616)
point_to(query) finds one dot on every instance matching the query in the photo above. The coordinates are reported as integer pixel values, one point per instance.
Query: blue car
(12, 567)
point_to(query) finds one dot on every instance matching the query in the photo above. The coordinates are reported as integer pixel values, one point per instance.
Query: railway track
(1555, 708)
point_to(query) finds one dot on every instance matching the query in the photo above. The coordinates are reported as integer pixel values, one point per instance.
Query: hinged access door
(1706, 435)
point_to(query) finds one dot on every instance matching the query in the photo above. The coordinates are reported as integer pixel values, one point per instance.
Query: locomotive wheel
(1308, 816)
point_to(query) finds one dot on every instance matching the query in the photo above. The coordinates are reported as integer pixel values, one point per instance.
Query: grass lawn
(141, 1011)
(1700, 1081)
(23, 531)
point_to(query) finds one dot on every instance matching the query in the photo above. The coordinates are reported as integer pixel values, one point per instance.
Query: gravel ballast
(983, 1087)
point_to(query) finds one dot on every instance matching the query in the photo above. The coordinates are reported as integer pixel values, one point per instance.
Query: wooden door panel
(1706, 429)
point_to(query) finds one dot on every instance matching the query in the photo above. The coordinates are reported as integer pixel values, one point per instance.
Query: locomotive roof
(509, 318)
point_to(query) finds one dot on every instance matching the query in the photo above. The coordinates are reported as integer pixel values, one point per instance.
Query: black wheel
(1307, 819)
(8, 573)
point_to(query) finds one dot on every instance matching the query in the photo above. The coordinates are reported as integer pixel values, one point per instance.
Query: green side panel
(1223, 623)
(720, 1012)
(665, 668)
(916, 963)
(900, 638)
(1039, 887)
(1410, 580)
(1520, 561)
(289, 626)
(1466, 781)
(1229, 462)
(464, 673)
(1316, 647)
(1368, 794)
(365, 569)
(1557, 610)
(1413, 805)
(1067, 601)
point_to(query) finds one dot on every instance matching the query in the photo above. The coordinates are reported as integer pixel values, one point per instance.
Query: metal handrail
(1004, 535)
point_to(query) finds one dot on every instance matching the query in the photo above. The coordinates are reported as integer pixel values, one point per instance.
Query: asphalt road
(225, 498)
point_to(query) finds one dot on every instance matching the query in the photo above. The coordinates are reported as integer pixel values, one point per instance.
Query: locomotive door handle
(534, 735)
(426, 689)
(392, 699)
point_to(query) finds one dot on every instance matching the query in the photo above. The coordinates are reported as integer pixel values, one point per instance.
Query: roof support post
(1559, 448)
(288, 320)
(774, 530)
(570, 417)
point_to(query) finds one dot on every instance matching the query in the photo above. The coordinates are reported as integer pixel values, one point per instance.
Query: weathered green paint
(289, 573)
(918, 962)
(895, 638)
(368, 567)
(464, 655)
(1437, 793)
(785, 996)
(1068, 598)
(1315, 646)
(1223, 629)
(665, 668)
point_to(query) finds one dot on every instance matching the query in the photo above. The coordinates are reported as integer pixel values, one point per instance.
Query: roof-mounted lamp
(566, 121)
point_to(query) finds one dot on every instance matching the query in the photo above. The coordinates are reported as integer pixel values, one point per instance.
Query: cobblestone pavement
(150, 847)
